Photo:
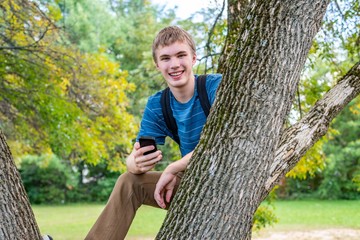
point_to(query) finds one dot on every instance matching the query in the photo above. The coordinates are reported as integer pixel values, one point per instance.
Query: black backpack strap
(203, 96)
(167, 111)
(168, 114)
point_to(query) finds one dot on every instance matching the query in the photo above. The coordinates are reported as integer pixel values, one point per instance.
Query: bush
(46, 178)
(95, 191)
(101, 190)
(95, 182)
(339, 177)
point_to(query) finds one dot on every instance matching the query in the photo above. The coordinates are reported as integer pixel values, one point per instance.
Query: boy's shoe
(47, 237)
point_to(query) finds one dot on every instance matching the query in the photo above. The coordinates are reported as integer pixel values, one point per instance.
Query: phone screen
(147, 141)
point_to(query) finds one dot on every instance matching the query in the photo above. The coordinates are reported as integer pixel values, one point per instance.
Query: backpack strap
(167, 111)
(203, 96)
(168, 114)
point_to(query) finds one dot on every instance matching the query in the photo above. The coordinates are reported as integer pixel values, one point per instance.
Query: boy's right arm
(138, 163)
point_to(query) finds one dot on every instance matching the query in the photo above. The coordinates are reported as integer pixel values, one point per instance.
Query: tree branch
(339, 9)
(26, 47)
(297, 139)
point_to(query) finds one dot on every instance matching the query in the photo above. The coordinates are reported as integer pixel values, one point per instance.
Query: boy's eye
(164, 58)
(182, 55)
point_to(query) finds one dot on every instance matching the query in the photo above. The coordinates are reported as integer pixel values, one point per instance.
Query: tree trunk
(17, 221)
(236, 10)
(231, 170)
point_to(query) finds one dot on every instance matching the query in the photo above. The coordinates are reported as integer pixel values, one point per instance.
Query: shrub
(46, 178)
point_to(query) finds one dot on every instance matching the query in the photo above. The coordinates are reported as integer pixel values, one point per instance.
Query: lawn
(70, 222)
(317, 214)
(73, 221)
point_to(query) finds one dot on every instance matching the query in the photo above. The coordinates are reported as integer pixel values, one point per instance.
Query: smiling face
(175, 62)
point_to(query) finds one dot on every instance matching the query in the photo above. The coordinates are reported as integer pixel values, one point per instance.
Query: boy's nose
(175, 63)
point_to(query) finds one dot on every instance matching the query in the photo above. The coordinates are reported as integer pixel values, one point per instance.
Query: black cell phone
(147, 141)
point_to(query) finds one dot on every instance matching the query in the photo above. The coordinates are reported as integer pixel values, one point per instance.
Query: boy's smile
(175, 62)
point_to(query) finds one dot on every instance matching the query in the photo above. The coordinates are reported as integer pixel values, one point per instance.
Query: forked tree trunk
(17, 221)
(234, 165)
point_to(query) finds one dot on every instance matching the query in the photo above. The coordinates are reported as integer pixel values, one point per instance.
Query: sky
(185, 7)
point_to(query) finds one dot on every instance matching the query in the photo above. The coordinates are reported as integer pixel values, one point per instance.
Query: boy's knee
(127, 179)
(129, 184)
(127, 176)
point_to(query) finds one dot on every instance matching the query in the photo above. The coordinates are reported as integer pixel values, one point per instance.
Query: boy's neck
(185, 93)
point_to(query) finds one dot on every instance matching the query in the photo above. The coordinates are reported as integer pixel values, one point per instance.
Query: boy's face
(175, 62)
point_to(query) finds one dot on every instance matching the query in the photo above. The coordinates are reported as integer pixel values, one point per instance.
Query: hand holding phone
(148, 141)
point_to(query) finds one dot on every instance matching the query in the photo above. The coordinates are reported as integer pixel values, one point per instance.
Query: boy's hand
(143, 162)
(164, 188)
(167, 181)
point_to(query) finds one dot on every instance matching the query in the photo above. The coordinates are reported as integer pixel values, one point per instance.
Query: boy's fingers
(159, 194)
(168, 195)
(145, 149)
(159, 199)
(145, 161)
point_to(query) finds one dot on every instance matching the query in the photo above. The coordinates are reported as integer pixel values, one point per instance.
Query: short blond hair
(169, 35)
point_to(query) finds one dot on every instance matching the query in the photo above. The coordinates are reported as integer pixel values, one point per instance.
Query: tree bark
(236, 10)
(17, 220)
(228, 176)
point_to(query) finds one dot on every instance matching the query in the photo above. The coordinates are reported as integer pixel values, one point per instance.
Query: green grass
(73, 221)
(69, 222)
(317, 214)
(66, 222)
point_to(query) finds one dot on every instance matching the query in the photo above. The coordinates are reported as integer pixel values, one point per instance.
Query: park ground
(300, 220)
(315, 234)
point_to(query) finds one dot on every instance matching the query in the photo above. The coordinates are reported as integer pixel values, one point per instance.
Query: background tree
(52, 95)
(123, 30)
(244, 149)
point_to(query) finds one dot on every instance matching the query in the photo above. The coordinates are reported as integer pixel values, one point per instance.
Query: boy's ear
(194, 59)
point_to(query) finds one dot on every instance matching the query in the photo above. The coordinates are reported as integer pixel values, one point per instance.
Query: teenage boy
(174, 54)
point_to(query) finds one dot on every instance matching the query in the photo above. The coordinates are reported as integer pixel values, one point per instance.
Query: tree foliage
(343, 157)
(123, 30)
(54, 98)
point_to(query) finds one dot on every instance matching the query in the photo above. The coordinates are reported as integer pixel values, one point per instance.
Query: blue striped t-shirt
(189, 117)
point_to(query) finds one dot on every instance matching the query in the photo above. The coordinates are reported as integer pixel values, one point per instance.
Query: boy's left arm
(165, 186)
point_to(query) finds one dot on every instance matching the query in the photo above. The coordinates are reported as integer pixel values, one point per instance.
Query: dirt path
(321, 234)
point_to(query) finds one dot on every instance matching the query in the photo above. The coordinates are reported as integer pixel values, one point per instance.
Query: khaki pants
(129, 193)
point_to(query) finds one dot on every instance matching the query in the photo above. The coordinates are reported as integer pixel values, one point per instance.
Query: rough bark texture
(236, 10)
(17, 221)
(229, 173)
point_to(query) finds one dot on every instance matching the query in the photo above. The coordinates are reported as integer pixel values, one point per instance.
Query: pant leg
(129, 193)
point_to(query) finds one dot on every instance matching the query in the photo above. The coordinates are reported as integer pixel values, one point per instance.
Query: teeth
(175, 74)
